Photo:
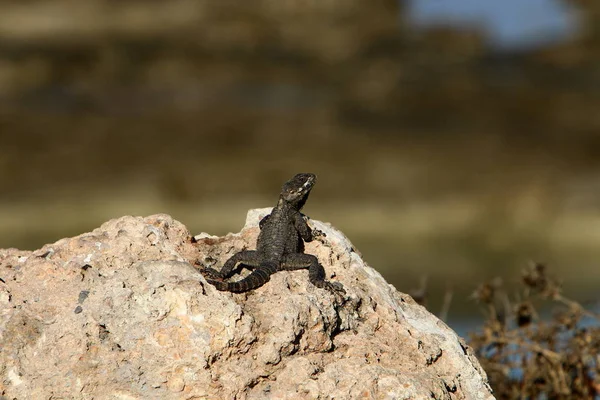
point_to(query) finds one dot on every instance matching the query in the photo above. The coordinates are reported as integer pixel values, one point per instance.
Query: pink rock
(121, 312)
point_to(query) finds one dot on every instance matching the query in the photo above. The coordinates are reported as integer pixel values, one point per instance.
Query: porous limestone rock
(122, 313)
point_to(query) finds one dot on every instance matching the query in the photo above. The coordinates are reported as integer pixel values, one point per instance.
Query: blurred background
(453, 139)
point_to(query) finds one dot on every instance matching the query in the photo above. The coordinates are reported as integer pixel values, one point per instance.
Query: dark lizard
(280, 245)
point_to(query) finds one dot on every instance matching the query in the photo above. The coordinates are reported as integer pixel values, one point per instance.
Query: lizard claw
(319, 235)
(335, 288)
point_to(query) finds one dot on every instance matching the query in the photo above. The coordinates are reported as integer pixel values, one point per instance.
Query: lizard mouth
(310, 182)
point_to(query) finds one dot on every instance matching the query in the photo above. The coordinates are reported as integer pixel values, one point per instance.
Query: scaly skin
(280, 245)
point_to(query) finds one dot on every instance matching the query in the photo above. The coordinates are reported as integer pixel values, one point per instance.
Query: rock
(121, 313)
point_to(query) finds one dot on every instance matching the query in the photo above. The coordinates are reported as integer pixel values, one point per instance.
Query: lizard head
(297, 189)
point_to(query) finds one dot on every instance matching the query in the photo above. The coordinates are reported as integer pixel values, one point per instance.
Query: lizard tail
(256, 279)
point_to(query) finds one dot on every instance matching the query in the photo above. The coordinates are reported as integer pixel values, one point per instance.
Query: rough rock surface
(121, 313)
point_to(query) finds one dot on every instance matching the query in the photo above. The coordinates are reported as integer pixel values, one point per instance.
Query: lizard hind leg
(246, 258)
(316, 272)
(256, 279)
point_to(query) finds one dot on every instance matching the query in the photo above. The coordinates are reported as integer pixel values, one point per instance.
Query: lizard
(280, 245)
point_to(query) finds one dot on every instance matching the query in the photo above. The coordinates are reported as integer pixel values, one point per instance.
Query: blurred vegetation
(435, 152)
(536, 344)
(530, 357)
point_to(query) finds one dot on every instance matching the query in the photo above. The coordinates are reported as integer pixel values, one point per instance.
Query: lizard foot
(211, 274)
(333, 287)
(218, 284)
(319, 235)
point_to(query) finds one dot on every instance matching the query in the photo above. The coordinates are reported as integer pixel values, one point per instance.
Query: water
(509, 23)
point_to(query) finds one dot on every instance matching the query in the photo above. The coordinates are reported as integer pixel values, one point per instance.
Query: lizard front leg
(263, 221)
(306, 233)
